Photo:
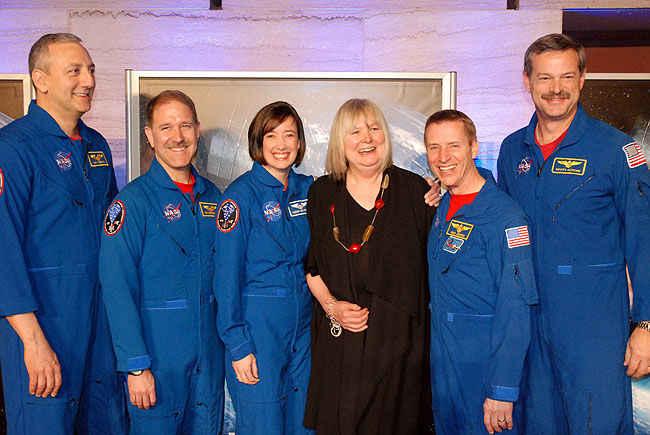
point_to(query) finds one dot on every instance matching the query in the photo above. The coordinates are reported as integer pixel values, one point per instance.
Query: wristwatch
(136, 372)
(644, 324)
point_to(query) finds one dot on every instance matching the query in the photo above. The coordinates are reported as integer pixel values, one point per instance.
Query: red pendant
(355, 248)
(332, 209)
(379, 204)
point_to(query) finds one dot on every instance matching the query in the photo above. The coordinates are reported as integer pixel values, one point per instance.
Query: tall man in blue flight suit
(482, 284)
(156, 270)
(584, 186)
(56, 180)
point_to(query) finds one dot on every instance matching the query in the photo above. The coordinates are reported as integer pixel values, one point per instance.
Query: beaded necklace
(354, 248)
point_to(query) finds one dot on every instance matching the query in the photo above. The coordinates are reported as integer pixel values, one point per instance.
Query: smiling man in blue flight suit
(584, 186)
(482, 283)
(156, 270)
(56, 180)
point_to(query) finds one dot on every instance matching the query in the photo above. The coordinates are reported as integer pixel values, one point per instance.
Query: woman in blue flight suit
(482, 282)
(264, 309)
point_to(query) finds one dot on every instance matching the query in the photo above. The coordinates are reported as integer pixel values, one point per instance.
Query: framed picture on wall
(227, 101)
(15, 95)
(621, 100)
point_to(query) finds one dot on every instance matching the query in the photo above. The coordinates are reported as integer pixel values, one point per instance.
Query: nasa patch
(298, 208)
(2, 182)
(452, 245)
(208, 209)
(272, 211)
(228, 216)
(524, 166)
(63, 160)
(97, 159)
(634, 155)
(114, 219)
(172, 212)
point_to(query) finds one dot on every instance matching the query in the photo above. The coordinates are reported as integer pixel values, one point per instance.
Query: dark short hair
(554, 42)
(269, 117)
(166, 97)
(40, 50)
(450, 116)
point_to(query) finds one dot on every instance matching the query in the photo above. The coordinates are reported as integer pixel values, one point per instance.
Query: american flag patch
(517, 236)
(634, 155)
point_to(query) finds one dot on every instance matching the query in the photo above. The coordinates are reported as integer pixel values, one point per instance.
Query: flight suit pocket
(58, 289)
(470, 335)
(168, 326)
(266, 293)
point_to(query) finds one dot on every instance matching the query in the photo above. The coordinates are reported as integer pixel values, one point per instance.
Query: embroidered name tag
(459, 229)
(569, 166)
(208, 209)
(97, 158)
(298, 208)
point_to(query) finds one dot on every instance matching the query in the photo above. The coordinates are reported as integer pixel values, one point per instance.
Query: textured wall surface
(479, 39)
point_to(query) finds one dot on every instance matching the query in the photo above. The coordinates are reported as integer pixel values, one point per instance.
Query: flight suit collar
(265, 177)
(47, 124)
(575, 133)
(162, 178)
(466, 218)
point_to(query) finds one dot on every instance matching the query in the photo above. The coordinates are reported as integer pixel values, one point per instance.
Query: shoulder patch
(569, 166)
(208, 209)
(228, 216)
(114, 219)
(634, 155)
(460, 230)
(97, 159)
(2, 182)
(517, 236)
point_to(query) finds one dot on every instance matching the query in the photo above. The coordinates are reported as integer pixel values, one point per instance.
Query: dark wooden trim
(215, 5)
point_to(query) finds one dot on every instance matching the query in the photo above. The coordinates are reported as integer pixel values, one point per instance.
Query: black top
(376, 381)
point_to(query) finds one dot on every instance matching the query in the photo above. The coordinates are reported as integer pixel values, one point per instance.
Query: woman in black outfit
(367, 269)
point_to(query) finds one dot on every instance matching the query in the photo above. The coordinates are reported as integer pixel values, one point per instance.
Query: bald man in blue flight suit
(156, 269)
(482, 284)
(264, 303)
(585, 188)
(56, 180)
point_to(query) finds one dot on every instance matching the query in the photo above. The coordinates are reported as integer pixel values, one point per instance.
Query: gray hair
(40, 50)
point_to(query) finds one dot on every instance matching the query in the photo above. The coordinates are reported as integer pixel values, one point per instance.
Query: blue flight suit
(482, 284)
(156, 271)
(53, 194)
(590, 213)
(264, 303)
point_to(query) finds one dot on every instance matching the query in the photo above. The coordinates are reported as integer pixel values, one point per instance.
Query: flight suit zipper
(568, 196)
